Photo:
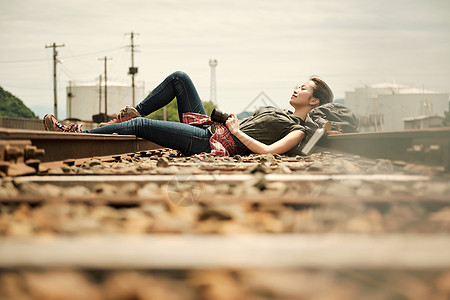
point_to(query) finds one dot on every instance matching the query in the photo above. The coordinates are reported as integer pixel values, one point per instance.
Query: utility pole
(133, 70)
(55, 60)
(100, 95)
(213, 88)
(106, 85)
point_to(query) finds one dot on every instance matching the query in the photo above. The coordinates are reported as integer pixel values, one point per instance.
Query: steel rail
(170, 184)
(62, 146)
(428, 146)
(434, 201)
(219, 178)
(329, 251)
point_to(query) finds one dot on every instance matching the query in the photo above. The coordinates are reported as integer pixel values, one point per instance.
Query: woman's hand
(279, 147)
(232, 124)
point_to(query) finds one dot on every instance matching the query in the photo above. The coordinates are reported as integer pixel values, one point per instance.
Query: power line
(92, 53)
(64, 57)
(88, 64)
(67, 72)
(24, 87)
(22, 61)
(116, 66)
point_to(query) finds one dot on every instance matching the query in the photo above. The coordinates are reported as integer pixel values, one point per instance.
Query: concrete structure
(384, 106)
(213, 87)
(423, 122)
(87, 99)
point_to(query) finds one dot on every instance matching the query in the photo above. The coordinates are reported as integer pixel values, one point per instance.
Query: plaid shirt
(222, 143)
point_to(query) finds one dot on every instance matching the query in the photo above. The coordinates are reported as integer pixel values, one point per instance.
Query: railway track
(141, 222)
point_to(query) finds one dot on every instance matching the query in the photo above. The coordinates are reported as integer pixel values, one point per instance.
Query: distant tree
(11, 106)
(209, 106)
(446, 121)
(172, 111)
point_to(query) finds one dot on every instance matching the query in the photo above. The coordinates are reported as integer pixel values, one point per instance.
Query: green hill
(11, 106)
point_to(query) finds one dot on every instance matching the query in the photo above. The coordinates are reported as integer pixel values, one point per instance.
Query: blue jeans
(188, 139)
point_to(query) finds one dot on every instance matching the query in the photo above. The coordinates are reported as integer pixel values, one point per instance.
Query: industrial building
(423, 122)
(87, 99)
(384, 106)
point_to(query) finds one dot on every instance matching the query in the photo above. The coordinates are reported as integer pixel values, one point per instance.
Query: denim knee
(137, 122)
(140, 120)
(180, 75)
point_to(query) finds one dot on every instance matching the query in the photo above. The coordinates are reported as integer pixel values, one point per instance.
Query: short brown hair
(321, 90)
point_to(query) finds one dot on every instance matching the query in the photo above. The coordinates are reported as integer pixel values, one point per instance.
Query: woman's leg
(186, 138)
(177, 84)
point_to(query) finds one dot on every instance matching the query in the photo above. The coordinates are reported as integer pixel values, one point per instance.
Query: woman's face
(303, 94)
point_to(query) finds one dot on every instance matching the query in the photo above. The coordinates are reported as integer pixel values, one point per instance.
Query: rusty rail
(241, 251)
(427, 146)
(61, 146)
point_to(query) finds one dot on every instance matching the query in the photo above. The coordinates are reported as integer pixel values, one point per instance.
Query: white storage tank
(387, 104)
(87, 99)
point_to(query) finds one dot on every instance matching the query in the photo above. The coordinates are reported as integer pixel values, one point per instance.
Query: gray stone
(163, 162)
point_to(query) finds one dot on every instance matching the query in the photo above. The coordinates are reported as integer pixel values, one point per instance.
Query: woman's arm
(279, 147)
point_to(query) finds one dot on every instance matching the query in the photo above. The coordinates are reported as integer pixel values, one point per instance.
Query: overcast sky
(263, 45)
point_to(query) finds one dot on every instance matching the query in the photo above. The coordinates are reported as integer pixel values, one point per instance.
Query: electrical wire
(66, 72)
(116, 67)
(22, 61)
(92, 53)
(8, 86)
(73, 56)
